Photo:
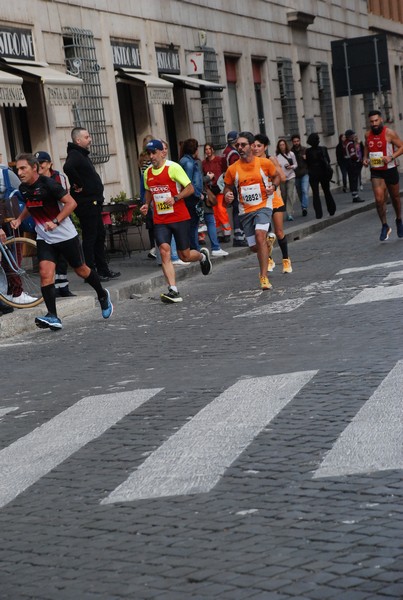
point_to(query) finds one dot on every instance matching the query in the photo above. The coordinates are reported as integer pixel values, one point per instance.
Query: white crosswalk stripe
(373, 441)
(34, 455)
(194, 459)
(6, 410)
(378, 293)
(384, 266)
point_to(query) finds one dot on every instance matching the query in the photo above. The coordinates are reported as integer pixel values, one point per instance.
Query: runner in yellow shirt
(256, 180)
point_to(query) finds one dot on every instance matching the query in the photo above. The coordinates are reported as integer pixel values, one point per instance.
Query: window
(257, 81)
(287, 96)
(212, 103)
(325, 99)
(81, 60)
(230, 69)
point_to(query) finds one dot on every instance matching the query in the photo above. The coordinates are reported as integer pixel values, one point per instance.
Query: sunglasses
(242, 145)
(151, 151)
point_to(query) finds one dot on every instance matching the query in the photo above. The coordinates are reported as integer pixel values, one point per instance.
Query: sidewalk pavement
(140, 274)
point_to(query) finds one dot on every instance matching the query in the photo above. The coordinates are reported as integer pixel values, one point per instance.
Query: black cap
(43, 156)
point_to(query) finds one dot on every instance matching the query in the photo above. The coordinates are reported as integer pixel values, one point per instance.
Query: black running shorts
(390, 176)
(163, 233)
(70, 249)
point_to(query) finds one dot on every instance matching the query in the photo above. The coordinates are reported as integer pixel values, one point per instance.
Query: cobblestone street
(241, 445)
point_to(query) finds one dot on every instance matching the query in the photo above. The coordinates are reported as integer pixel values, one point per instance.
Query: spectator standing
(231, 155)
(354, 165)
(301, 173)
(88, 191)
(342, 160)
(320, 172)
(191, 166)
(144, 163)
(15, 183)
(209, 202)
(214, 166)
(359, 149)
(46, 168)
(288, 163)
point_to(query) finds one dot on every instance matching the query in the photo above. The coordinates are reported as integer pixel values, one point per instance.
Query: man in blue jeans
(301, 173)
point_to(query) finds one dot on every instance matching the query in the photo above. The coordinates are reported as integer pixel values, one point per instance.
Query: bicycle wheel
(20, 285)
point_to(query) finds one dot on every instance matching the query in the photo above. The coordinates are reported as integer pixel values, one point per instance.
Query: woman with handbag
(320, 172)
(288, 162)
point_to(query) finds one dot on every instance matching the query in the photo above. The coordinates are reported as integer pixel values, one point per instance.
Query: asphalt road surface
(240, 445)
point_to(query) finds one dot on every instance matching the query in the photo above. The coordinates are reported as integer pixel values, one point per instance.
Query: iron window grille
(287, 96)
(213, 116)
(81, 60)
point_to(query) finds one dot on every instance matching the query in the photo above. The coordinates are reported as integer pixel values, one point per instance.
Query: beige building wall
(299, 30)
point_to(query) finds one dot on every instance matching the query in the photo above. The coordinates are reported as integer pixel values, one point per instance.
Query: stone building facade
(183, 68)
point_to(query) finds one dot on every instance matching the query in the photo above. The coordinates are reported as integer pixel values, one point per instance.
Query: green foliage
(121, 197)
(76, 222)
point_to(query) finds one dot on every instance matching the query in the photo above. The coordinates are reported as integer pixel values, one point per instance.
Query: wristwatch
(56, 222)
(176, 198)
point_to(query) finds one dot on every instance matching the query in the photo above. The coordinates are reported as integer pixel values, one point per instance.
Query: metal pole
(378, 74)
(350, 100)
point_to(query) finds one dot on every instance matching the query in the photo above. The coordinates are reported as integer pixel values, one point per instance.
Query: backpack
(15, 203)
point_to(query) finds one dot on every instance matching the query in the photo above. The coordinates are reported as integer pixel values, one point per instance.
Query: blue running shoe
(106, 305)
(49, 322)
(399, 227)
(385, 232)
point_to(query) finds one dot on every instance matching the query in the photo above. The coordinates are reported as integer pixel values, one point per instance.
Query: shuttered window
(325, 99)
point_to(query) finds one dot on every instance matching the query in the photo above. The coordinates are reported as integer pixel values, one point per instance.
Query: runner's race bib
(376, 160)
(251, 194)
(161, 205)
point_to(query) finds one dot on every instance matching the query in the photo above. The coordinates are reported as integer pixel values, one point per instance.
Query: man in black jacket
(88, 191)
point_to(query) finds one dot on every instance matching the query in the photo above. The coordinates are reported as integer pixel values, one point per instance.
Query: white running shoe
(24, 299)
(219, 252)
(180, 262)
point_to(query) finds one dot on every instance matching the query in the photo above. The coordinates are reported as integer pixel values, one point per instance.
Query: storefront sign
(63, 94)
(125, 54)
(12, 95)
(160, 95)
(168, 60)
(16, 43)
(195, 63)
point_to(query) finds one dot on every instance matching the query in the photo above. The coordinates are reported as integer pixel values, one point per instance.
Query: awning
(193, 83)
(159, 91)
(11, 93)
(59, 87)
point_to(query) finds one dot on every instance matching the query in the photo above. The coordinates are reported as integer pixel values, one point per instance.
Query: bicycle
(20, 285)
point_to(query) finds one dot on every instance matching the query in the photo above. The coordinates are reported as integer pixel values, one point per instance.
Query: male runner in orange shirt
(256, 180)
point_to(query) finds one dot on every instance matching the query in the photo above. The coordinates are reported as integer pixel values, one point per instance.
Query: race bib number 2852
(251, 194)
